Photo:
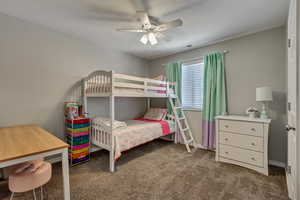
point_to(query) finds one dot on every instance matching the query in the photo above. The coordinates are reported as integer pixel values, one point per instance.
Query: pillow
(160, 78)
(106, 122)
(155, 114)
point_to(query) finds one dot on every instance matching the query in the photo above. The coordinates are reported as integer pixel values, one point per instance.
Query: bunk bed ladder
(182, 123)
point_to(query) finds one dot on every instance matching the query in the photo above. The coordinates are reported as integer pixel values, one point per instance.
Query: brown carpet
(161, 170)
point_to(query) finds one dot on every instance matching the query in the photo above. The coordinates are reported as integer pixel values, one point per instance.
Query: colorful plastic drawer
(80, 150)
(80, 155)
(78, 130)
(79, 160)
(79, 138)
(78, 142)
(77, 134)
(77, 125)
(78, 121)
(78, 147)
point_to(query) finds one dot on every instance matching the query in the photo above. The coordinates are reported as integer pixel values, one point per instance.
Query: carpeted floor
(161, 170)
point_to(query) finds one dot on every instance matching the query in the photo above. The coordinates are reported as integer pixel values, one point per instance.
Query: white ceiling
(204, 21)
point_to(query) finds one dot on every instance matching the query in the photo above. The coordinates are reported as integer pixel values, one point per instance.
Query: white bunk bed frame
(105, 84)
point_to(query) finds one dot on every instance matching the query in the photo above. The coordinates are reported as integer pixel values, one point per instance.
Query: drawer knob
(253, 158)
(226, 152)
(226, 126)
(253, 144)
(253, 129)
(226, 139)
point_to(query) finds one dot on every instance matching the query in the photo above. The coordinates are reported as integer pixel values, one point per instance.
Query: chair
(29, 176)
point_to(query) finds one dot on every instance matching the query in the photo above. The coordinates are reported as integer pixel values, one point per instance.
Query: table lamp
(264, 94)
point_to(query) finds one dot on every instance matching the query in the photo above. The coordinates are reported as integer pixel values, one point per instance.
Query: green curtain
(174, 74)
(214, 97)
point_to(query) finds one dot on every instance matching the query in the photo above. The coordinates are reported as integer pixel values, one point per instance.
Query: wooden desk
(29, 142)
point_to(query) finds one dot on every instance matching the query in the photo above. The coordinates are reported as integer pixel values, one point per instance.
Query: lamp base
(263, 114)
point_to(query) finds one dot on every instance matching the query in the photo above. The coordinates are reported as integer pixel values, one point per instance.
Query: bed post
(176, 140)
(112, 118)
(168, 88)
(84, 98)
(148, 103)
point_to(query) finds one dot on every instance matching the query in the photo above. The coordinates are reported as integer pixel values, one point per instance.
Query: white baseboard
(277, 163)
(200, 146)
(271, 162)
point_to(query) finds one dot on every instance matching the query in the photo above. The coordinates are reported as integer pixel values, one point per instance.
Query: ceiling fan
(151, 28)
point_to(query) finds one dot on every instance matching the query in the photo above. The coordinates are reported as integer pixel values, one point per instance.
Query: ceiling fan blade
(162, 36)
(144, 18)
(169, 25)
(133, 30)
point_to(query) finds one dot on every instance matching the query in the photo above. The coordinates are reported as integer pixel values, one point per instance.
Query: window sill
(192, 109)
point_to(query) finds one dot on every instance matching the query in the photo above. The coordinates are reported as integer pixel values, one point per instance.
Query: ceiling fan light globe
(144, 39)
(152, 39)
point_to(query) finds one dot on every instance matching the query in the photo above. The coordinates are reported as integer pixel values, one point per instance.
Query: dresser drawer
(242, 155)
(242, 141)
(246, 128)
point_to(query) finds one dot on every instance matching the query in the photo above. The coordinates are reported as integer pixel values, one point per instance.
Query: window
(192, 85)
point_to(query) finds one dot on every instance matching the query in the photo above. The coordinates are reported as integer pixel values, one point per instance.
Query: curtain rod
(197, 58)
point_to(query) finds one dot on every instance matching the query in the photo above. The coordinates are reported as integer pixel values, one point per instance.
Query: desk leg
(65, 170)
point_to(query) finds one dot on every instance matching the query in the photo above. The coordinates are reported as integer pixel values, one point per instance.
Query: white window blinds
(192, 85)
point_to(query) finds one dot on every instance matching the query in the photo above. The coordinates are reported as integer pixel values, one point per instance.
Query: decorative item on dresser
(243, 141)
(251, 112)
(264, 94)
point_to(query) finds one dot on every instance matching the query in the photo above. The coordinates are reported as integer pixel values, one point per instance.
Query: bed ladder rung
(190, 141)
(181, 122)
(186, 129)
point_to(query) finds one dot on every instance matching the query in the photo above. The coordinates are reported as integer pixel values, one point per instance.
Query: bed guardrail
(104, 83)
(101, 135)
(98, 82)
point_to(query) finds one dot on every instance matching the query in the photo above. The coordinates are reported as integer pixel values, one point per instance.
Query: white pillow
(160, 78)
(106, 122)
(155, 114)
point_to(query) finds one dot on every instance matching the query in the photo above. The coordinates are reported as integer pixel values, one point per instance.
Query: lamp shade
(264, 94)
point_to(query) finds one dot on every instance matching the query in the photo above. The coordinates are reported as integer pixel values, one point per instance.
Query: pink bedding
(138, 132)
(164, 125)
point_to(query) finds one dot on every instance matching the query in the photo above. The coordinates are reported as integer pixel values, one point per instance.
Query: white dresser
(243, 141)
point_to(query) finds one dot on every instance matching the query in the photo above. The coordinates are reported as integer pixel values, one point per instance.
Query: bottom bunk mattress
(140, 131)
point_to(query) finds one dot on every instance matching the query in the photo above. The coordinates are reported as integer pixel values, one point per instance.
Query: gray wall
(38, 67)
(253, 61)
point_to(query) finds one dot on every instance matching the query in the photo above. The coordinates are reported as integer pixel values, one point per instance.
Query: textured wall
(38, 67)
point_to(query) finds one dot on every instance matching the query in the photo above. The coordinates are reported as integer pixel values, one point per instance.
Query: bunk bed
(107, 84)
(111, 85)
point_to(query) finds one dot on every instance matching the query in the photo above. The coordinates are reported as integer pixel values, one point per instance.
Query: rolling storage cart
(78, 137)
